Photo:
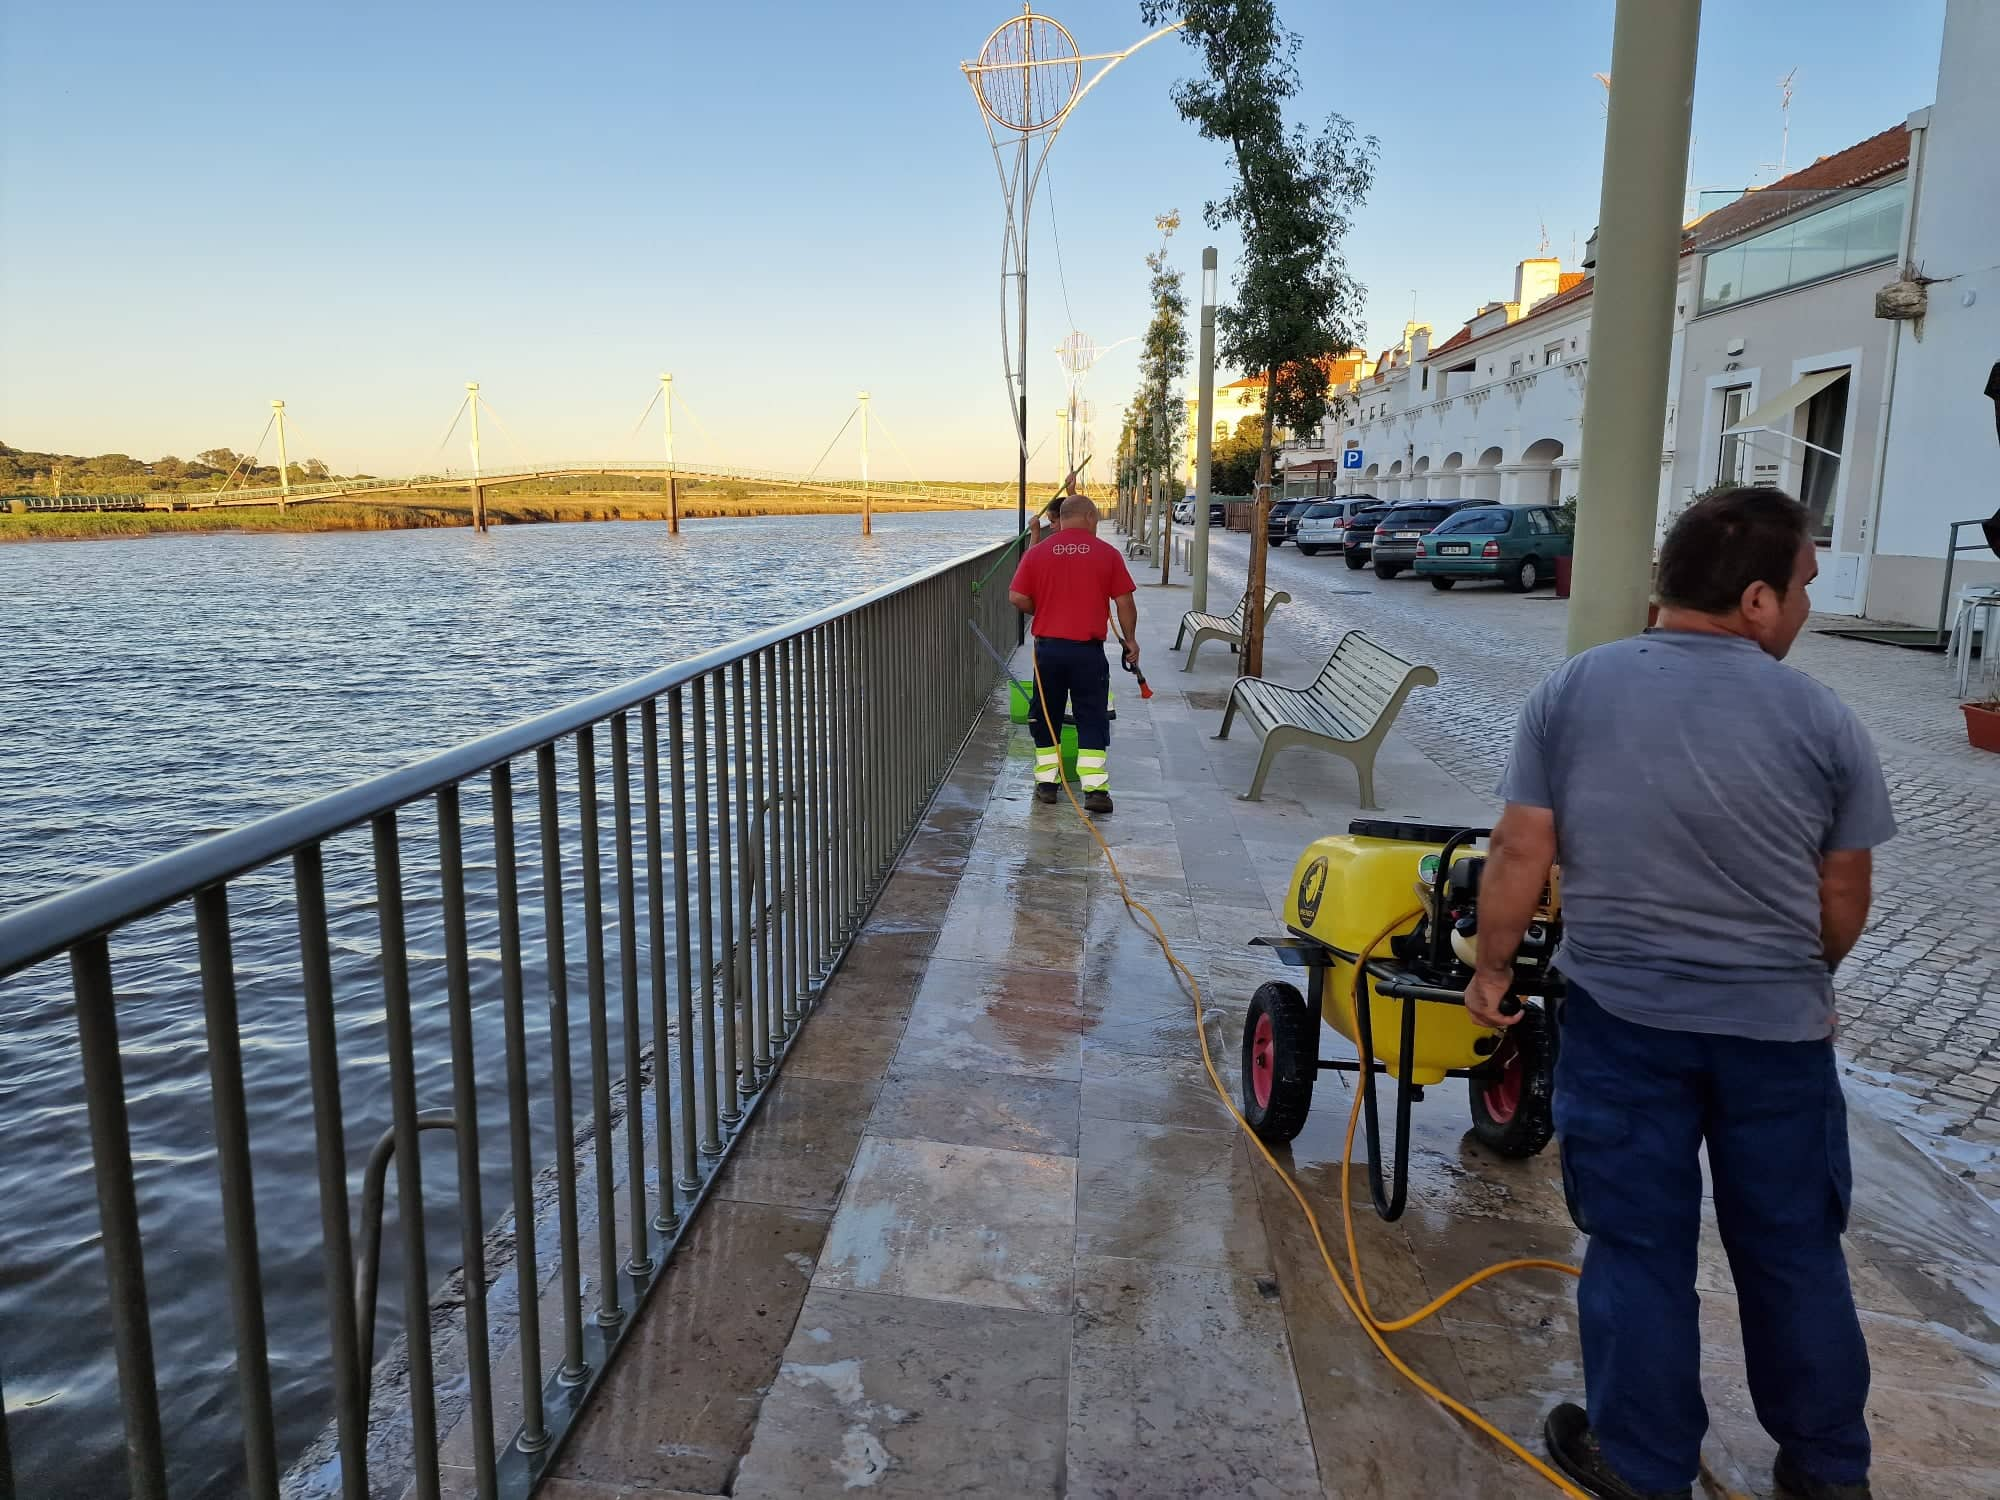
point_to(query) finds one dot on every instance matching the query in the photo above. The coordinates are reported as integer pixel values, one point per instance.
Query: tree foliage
(1292, 197)
(1163, 360)
(27, 473)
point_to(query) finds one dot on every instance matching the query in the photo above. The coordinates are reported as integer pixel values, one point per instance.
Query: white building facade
(1941, 462)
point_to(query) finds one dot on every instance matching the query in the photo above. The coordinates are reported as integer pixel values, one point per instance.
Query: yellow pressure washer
(1404, 1011)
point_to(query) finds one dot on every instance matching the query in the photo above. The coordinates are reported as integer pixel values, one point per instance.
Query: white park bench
(1347, 710)
(1227, 627)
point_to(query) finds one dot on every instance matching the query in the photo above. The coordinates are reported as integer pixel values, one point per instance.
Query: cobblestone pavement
(1920, 998)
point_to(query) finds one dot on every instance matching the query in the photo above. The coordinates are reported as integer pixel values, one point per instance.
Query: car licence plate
(1453, 549)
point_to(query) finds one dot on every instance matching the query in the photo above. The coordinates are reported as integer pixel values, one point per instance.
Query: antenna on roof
(1785, 125)
(1543, 247)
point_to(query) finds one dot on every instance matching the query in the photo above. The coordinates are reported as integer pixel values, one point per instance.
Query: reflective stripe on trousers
(1092, 772)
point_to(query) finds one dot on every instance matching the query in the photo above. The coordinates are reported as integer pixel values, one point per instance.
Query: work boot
(1573, 1447)
(1795, 1484)
(1045, 791)
(1097, 803)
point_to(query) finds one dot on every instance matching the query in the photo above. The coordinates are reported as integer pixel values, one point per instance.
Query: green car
(1516, 544)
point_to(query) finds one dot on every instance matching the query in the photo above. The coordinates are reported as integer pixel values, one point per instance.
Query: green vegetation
(26, 473)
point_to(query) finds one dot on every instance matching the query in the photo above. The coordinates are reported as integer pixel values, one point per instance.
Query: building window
(1553, 354)
(1735, 406)
(1515, 367)
(1825, 426)
(1864, 230)
(1427, 378)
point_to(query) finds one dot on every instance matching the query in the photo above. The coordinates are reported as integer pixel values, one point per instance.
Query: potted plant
(1982, 723)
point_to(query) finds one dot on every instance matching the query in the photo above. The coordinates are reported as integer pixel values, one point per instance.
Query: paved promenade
(995, 1236)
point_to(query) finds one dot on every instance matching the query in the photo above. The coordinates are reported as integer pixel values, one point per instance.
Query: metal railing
(777, 780)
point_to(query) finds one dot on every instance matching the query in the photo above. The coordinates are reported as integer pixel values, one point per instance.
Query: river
(162, 689)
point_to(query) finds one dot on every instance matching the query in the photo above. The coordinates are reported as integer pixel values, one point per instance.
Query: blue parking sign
(1350, 458)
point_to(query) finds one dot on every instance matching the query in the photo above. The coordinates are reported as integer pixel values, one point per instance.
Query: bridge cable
(829, 447)
(876, 418)
(715, 448)
(513, 438)
(646, 413)
(250, 457)
(454, 422)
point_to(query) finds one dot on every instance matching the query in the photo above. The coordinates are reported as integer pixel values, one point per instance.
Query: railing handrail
(47, 927)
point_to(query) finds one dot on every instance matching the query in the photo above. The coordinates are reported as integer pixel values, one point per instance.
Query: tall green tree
(1292, 199)
(1163, 360)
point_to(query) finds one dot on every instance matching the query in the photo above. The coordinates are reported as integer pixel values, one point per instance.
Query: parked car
(1359, 541)
(1398, 531)
(1305, 503)
(1278, 521)
(1326, 524)
(1516, 544)
(1184, 511)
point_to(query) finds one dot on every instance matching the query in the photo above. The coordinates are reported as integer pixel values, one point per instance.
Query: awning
(1787, 401)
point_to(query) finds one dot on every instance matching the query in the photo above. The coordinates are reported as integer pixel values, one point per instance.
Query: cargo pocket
(1588, 1134)
(1840, 1166)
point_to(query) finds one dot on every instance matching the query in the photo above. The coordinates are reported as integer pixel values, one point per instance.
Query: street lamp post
(1204, 435)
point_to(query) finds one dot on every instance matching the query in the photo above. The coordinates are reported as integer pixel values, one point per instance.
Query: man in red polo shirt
(1068, 584)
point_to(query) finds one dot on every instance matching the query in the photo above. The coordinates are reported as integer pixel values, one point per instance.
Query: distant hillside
(25, 473)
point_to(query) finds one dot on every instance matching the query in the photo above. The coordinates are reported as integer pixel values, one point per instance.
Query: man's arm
(1021, 601)
(1846, 881)
(1128, 624)
(1520, 853)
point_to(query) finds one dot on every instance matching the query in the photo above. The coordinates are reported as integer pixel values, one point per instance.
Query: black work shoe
(1573, 1447)
(1045, 791)
(1098, 803)
(1795, 1484)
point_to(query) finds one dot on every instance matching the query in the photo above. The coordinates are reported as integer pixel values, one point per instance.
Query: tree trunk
(1260, 513)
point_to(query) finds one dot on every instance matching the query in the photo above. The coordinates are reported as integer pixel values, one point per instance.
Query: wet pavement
(995, 1235)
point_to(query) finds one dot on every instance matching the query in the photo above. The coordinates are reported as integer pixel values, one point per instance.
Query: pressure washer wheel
(1512, 1093)
(1280, 1062)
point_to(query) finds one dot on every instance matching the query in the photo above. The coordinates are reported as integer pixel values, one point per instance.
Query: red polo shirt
(1072, 577)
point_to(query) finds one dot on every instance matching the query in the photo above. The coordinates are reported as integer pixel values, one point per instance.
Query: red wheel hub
(1503, 1094)
(1263, 1061)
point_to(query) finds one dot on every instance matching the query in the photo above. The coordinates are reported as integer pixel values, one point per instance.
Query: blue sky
(358, 207)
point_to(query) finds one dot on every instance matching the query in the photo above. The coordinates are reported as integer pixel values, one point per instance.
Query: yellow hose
(1357, 1297)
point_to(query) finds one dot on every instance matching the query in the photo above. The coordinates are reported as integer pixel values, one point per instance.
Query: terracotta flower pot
(1982, 725)
(1562, 577)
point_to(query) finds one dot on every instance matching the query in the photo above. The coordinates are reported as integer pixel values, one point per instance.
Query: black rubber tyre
(1305, 551)
(1387, 570)
(1443, 585)
(1512, 1094)
(1274, 541)
(1527, 573)
(1280, 1062)
(1356, 560)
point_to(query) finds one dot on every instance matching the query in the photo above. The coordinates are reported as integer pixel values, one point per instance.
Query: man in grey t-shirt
(1713, 813)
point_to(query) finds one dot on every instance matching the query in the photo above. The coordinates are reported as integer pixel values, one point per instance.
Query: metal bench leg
(1193, 647)
(1364, 770)
(1228, 716)
(1272, 745)
(1178, 634)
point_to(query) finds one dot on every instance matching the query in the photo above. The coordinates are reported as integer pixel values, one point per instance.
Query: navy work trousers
(1078, 674)
(1634, 1105)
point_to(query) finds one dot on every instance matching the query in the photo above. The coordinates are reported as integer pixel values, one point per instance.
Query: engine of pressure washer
(1451, 910)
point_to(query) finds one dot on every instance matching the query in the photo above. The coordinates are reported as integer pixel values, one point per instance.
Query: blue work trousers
(1633, 1107)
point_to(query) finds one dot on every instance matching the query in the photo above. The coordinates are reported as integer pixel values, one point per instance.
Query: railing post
(610, 1311)
(640, 1263)
(409, 1175)
(239, 1200)
(574, 1370)
(118, 1215)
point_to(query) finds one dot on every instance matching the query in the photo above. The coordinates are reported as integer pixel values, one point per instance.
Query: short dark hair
(1727, 541)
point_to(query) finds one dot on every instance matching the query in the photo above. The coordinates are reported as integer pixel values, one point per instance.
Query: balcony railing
(757, 798)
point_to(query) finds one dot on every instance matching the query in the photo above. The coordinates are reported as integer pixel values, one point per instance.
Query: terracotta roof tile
(1875, 157)
(1571, 280)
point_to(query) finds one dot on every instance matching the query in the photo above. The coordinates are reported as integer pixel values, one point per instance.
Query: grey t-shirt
(1695, 783)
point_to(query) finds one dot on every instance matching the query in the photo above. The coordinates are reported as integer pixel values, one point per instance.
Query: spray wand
(1060, 493)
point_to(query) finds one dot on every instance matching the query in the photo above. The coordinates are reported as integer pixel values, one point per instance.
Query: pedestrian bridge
(945, 496)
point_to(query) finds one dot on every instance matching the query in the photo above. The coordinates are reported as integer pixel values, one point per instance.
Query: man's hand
(1518, 858)
(1484, 994)
(1132, 653)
